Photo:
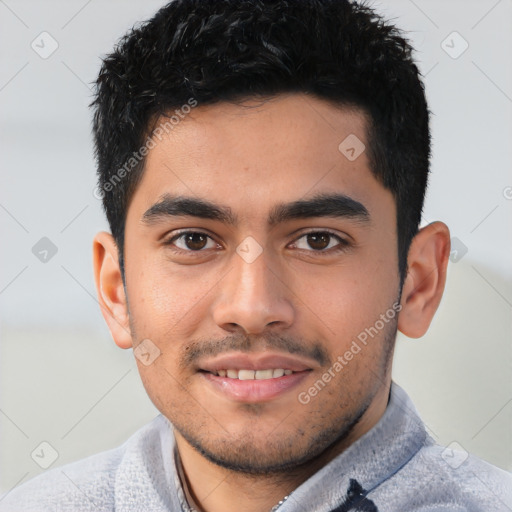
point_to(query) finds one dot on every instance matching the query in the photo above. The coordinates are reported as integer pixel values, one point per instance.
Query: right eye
(191, 241)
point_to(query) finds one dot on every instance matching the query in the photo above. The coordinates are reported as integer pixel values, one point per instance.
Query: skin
(295, 296)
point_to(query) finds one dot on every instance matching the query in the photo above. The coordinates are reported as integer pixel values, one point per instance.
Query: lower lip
(253, 391)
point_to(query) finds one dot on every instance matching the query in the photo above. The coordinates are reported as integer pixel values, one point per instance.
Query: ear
(426, 276)
(110, 289)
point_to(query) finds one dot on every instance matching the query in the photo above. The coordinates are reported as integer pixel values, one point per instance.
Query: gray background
(65, 383)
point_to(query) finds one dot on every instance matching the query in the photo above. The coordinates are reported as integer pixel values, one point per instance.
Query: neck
(213, 488)
(217, 489)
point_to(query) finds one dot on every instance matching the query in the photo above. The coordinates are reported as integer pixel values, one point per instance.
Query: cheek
(346, 292)
(349, 299)
(166, 300)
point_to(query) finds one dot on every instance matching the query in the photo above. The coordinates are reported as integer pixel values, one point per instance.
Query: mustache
(196, 350)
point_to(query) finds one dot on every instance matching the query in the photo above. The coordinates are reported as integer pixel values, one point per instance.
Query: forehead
(254, 155)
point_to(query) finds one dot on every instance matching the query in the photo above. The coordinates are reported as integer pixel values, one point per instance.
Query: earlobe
(110, 289)
(426, 276)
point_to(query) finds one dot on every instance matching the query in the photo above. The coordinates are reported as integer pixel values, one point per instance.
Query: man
(263, 166)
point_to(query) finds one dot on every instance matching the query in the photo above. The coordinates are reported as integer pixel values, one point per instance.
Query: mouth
(254, 378)
(253, 374)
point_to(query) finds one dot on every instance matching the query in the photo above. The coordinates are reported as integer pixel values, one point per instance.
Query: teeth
(264, 374)
(254, 374)
(246, 374)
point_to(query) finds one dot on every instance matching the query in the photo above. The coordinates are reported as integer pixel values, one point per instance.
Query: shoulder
(70, 487)
(440, 477)
(88, 484)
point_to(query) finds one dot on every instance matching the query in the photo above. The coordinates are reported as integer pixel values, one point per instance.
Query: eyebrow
(321, 205)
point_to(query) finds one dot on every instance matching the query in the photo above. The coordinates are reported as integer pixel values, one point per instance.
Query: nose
(253, 297)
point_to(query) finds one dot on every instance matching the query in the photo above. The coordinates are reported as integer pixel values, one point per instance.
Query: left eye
(319, 241)
(192, 241)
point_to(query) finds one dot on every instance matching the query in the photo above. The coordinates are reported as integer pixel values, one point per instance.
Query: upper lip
(264, 361)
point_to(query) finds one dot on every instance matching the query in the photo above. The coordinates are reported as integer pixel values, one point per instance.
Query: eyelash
(342, 243)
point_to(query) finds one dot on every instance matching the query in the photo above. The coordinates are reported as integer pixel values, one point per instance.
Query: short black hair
(199, 52)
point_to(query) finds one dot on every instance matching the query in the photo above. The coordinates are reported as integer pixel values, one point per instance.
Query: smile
(254, 386)
(255, 377)
(253, 374)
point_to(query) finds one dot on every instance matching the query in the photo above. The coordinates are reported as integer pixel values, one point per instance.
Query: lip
(256, 362)
(254, 391)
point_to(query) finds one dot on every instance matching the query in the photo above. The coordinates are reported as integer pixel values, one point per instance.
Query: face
(257, 257)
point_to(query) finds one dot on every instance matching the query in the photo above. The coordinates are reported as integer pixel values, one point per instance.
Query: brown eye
(195, 241)
(320, 241)
(192, 241)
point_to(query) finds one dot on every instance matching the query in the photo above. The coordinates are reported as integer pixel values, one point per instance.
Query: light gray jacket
(395, 467)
